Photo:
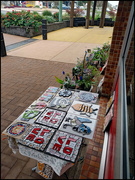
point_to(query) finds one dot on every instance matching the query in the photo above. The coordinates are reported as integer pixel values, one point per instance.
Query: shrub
(98, 15)
(38, 17)
(22, 19)
(56, 16)
(35, 12)
(77, 12)
(112, 14)
(49, 19)
(37, 6)
(47, 13)
(66, 16)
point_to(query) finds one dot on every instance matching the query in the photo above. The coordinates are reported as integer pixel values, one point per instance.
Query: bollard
(3, 49)
(44, 29)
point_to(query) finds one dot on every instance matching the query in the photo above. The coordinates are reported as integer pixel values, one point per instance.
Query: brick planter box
(17, 30)
(58, 25)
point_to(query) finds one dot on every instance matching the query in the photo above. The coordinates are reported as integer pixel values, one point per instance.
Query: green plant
(38, 17)
(85, 72)
(56, 16)
(37, 6)
(22, 19)
(101, 54)
(49, 19)
(35, 12)
(66, 16)
(47, 13)
(97, 15)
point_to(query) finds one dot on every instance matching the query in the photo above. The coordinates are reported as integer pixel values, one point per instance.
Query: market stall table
(39, 131)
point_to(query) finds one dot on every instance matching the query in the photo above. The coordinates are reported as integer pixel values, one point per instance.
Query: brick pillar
(116, 44)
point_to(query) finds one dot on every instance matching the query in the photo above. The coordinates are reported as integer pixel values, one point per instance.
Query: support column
(71, 13)
(93, 13)
(102, 20)
(60, 11)
(88, 14)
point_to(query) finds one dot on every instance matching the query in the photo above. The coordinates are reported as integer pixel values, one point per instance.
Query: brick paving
(23, 80)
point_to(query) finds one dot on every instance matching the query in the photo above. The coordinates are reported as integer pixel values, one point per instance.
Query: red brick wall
(124, 8)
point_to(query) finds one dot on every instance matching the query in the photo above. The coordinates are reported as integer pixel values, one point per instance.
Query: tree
(99, 3)
(81, 3)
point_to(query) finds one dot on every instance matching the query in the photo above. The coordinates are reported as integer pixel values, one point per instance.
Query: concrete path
(64, 45)
(11, 39)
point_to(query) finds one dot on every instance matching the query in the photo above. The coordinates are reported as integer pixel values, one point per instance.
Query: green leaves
(22, 19)
(59, 80)
(50, 19)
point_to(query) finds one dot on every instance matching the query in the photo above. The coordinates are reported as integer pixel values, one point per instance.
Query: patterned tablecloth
(59, 166)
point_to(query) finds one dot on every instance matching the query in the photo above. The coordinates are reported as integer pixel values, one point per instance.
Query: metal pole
(3, 49)
(60, 11)
(44, 29)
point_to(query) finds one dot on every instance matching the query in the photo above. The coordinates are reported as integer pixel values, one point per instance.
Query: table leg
(34, 169)
(66, 175)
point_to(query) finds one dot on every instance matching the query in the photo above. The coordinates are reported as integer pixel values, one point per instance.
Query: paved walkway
(24, 78)
(64, 45)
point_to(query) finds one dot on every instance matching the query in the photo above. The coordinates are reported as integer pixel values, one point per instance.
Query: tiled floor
(23, 80)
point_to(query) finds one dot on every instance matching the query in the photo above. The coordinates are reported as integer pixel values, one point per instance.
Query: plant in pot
(95, 57)
(87, 79)
(66, 83)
